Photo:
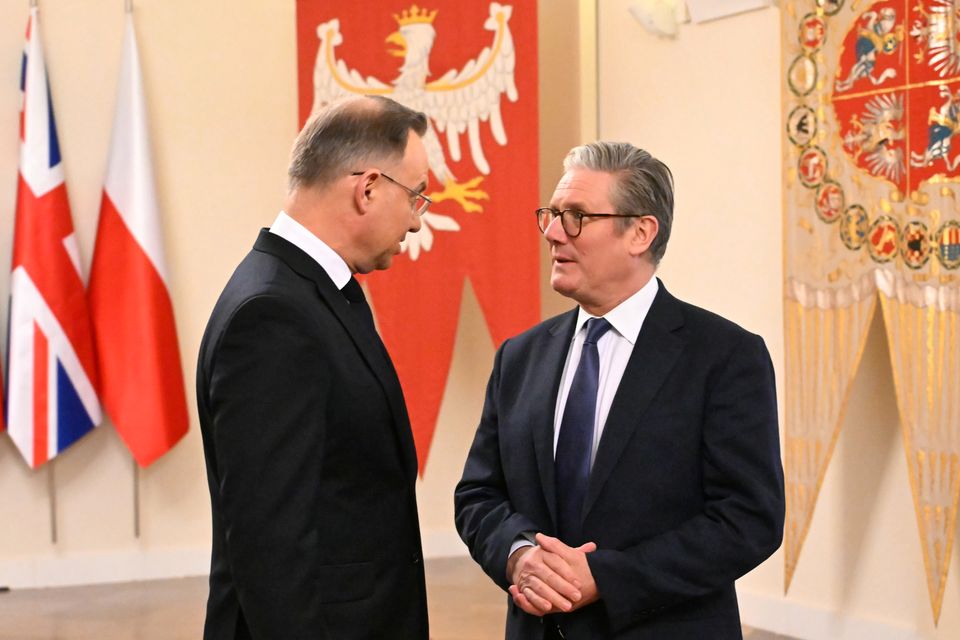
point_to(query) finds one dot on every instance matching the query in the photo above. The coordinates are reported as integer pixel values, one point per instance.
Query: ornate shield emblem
(894, 98)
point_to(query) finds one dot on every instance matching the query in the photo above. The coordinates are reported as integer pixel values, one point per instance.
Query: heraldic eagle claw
(463, 193)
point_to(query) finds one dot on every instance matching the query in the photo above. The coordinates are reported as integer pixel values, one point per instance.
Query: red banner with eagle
(472, 68)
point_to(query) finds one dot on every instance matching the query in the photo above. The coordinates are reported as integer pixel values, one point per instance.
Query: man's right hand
(543, 582)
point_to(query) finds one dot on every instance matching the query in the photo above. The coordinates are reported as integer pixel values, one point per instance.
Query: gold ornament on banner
(872, 115)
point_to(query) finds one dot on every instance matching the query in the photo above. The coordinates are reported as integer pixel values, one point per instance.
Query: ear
(644, 231)
(363, 193)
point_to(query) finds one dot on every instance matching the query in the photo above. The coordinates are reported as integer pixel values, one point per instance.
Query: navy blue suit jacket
(686, 491)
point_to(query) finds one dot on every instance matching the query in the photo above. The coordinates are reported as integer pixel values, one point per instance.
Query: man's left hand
(576, 558)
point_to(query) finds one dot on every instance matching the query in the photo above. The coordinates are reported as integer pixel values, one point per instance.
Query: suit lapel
(654, 355)
(366, 340)
(552, 356)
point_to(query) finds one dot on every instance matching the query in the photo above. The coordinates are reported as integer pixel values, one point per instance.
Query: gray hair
(643, 185)
(348, 134)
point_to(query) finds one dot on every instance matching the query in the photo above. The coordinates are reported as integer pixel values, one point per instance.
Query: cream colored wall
(220, 79)
(708, 104)
(221, 95)
(221, 91)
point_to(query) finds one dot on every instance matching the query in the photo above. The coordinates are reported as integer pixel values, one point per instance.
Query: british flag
(51, 398)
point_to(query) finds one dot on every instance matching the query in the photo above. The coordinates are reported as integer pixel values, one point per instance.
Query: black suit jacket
(310, 462)
(686, 491)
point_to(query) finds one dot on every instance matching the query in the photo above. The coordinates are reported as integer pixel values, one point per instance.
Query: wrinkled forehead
(586, 189)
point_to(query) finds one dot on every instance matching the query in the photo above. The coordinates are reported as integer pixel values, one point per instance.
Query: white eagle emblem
(455, 103)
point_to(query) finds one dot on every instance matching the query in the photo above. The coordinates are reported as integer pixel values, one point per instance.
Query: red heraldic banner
(471, 66)
(140, 373)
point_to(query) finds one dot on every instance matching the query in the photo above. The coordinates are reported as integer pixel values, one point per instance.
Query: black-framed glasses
(572, 220)
(419, 203)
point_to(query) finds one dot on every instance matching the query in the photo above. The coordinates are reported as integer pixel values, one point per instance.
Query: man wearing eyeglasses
(626, 468)
(310, 458)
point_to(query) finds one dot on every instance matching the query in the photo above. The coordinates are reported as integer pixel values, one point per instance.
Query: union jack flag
(51, 395)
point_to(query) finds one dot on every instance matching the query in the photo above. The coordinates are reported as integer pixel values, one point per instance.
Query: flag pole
(52, 492)
(136, 498)
(128, 8)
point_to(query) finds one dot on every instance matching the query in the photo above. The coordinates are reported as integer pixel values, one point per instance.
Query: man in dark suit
(310, 457)
(626, 469)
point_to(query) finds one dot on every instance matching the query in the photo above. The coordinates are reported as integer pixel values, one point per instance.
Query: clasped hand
(551, 577)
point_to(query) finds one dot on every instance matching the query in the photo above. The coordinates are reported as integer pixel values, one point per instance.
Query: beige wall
(221, 91)
(205, 153)
(708, 104)
(220, 82)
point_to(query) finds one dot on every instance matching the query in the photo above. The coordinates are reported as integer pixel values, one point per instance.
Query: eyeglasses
(572, 220)
(419, 203)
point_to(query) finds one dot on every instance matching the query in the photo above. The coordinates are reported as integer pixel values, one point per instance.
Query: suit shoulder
(550, 326)
(260, 275)
(261, 286)
(713, 328)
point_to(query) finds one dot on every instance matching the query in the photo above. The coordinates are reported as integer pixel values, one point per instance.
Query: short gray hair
(643, 184)
(346, 135)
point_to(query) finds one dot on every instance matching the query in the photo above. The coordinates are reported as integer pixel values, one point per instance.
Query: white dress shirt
(297, 234)
(614, 349)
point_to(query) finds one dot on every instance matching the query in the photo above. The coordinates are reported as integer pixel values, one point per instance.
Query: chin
(562, 285)
(384, 262)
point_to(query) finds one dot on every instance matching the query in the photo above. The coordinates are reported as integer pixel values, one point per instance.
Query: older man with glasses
(626, 468)
(310, 458)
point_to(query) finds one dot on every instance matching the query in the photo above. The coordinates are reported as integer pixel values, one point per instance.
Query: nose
(415, 225)
(555, 232)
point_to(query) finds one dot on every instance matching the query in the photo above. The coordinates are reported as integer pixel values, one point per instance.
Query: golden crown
(415, 15)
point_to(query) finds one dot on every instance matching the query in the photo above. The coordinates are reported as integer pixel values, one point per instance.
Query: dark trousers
(551, 631)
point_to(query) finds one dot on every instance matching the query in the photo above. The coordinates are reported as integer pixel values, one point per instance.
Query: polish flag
(141, 379)
(51, 396)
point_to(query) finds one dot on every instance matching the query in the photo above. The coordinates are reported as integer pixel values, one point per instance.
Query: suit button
(416, 558)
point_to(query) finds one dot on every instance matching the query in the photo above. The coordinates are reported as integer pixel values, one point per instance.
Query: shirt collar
(628, 316)
(297, 234)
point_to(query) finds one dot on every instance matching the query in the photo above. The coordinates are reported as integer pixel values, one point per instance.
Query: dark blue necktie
(575, 442)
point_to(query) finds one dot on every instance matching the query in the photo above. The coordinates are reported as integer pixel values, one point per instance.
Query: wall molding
(443, 544)
(57, 569)
(811, 622)
(780, 615)
(69, 569)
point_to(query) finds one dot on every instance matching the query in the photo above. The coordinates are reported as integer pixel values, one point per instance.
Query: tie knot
(596, 327)
(352, 291)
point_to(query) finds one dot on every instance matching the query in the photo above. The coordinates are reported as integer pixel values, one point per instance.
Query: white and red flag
(52, 376)
(140, 373)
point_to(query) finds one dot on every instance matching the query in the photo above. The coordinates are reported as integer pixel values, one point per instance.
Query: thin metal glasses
(419, 203)
(572, 220)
